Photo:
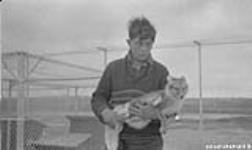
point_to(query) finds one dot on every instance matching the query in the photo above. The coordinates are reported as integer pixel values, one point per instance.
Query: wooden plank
(88, 123)
(67, 141)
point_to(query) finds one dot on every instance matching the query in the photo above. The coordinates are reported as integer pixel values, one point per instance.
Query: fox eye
(145, 103)
(173, 87)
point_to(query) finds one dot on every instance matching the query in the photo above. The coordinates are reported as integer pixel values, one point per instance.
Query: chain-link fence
(44, 107)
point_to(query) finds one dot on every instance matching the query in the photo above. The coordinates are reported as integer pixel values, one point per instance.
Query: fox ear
(169, 78)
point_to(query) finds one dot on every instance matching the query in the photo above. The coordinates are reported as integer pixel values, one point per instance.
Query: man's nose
(145, 48)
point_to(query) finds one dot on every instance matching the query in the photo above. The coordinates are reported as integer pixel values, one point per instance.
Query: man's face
(141, 48)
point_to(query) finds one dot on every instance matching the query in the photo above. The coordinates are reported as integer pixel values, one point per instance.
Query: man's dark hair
(142, 27)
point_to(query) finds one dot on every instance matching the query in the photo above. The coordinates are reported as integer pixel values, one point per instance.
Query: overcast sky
(43, 26)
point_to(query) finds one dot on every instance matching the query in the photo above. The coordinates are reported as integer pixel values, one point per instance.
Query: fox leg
(162, 119)
(165, 120)
(112, 137)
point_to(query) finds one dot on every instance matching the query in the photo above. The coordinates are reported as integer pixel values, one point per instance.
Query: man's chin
(144, 58)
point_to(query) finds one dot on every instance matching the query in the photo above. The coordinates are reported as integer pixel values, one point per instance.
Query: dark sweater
(121, 82)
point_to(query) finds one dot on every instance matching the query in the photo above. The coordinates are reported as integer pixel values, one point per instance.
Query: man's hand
(111, 118)
(144, 111)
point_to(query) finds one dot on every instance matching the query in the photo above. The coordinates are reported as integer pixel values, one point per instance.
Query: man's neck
(137, 64)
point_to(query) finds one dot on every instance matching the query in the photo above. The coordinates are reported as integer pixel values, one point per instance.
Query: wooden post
(22, 71)
(76, 108)
(105, 57)
(200, 85)
(105, 50)
(76, 91)
(10, 88)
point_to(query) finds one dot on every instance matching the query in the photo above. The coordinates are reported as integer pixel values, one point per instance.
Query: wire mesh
(54, 92)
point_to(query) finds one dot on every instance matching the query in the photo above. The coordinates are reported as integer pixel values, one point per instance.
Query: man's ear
(128, 42)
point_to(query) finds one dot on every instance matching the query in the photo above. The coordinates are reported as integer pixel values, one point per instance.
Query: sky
(55, 26)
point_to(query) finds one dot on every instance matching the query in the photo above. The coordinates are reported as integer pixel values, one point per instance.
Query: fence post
(22, 72)
(200, 84)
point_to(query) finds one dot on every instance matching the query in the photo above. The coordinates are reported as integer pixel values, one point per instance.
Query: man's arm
(101, 96)
(163, 79)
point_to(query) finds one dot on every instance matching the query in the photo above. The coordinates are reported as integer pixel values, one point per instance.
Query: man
(130, 77)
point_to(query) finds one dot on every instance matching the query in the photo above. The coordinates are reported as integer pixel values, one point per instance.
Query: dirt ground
(225, 122)
(217, 130)
(186, 139)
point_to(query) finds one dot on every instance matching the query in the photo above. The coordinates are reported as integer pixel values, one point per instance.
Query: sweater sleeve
(163, 79)
(102, 94)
